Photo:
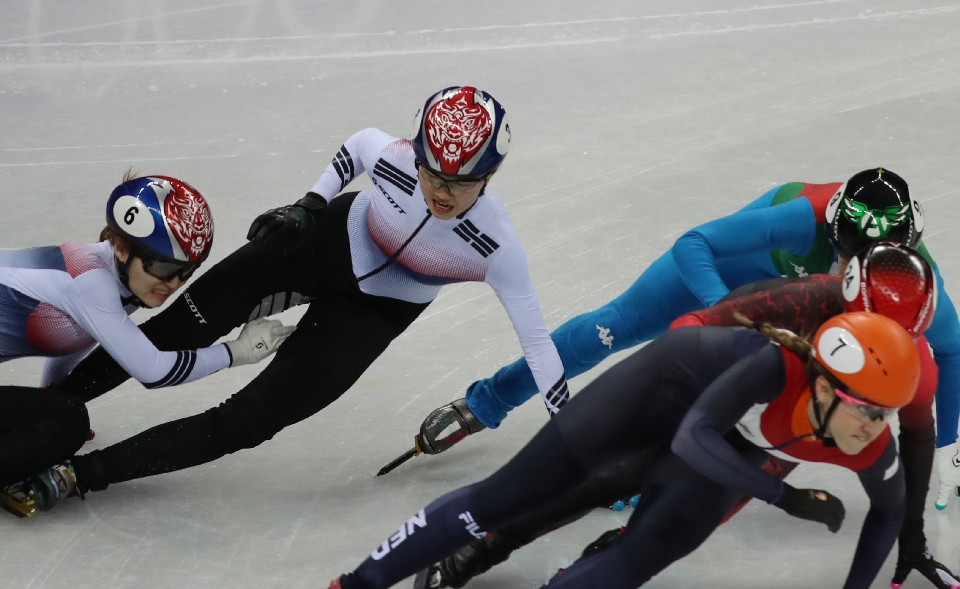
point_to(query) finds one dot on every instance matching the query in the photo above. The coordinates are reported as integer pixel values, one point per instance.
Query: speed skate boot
(17, 500)
(52, 485)
(603, 542)
(40, 492)
(471, 560)
(606, 540)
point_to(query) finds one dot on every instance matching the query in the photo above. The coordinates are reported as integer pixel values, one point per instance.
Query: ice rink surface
(632, 122)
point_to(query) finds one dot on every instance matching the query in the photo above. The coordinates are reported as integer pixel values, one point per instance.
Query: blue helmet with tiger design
(162, 217)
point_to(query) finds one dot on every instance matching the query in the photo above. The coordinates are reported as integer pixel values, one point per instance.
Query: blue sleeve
(944, 337)
(700, 441)
(791, 226)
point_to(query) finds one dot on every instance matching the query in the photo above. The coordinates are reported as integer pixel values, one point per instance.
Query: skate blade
(21, 509)
(398, 461)
(422, 578)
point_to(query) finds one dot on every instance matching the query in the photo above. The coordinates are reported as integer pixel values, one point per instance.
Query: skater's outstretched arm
(219, 301)
(885, 485)
(92, 302)
(509, 276)
(700, 439)
(291, 224)
(790, 226)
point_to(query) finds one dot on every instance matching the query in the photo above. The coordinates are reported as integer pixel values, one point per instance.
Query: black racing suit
(38, 427)
(343, 331)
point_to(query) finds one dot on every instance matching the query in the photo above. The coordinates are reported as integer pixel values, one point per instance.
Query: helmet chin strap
(821, 426)
(122, 272)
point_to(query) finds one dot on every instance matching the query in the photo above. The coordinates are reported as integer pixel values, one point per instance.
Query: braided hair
(802, 347)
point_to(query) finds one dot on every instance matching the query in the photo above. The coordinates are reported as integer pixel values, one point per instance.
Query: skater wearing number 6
(60, 301)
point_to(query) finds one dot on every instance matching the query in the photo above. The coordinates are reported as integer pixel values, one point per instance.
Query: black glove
(287, 225)
(814, 505)
(939, 575)
(605, 540)
(436, 435)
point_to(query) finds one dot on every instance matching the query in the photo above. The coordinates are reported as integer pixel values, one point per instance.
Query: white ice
(632, 121)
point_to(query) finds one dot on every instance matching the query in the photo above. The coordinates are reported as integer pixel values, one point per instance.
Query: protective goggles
(453, 187)
(165, 270)
(866, 409)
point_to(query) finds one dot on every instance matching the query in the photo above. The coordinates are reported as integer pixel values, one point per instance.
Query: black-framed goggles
(454, 186)
(167, 270)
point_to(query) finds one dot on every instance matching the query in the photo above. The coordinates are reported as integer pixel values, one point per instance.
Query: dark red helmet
(893, 280)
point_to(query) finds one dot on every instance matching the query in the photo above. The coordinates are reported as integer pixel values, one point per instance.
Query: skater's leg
(630, 408)
(335, 341)
(678, 511)
(604, 486)
(38, 427)
(640, 314)
(543, 468)
(602, 489)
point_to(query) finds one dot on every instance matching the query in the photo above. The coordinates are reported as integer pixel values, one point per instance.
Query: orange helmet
(870, 354)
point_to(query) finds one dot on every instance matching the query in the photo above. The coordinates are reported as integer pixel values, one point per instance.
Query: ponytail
(793, 342)
(787, 339)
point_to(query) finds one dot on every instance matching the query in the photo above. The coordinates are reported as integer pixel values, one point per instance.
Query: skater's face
(842, 264)
(151, 290)
(446, 196)
(849, 426)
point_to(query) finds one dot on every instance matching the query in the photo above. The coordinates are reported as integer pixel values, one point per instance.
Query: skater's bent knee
(71, 417)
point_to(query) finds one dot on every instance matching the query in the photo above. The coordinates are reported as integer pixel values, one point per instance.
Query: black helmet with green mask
(873, 205)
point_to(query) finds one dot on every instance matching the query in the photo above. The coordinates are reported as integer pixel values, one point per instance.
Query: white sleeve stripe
(190, 360)
(342, 162)
(340, 172)
(346, 157)
(559, 394)
(186, 360)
